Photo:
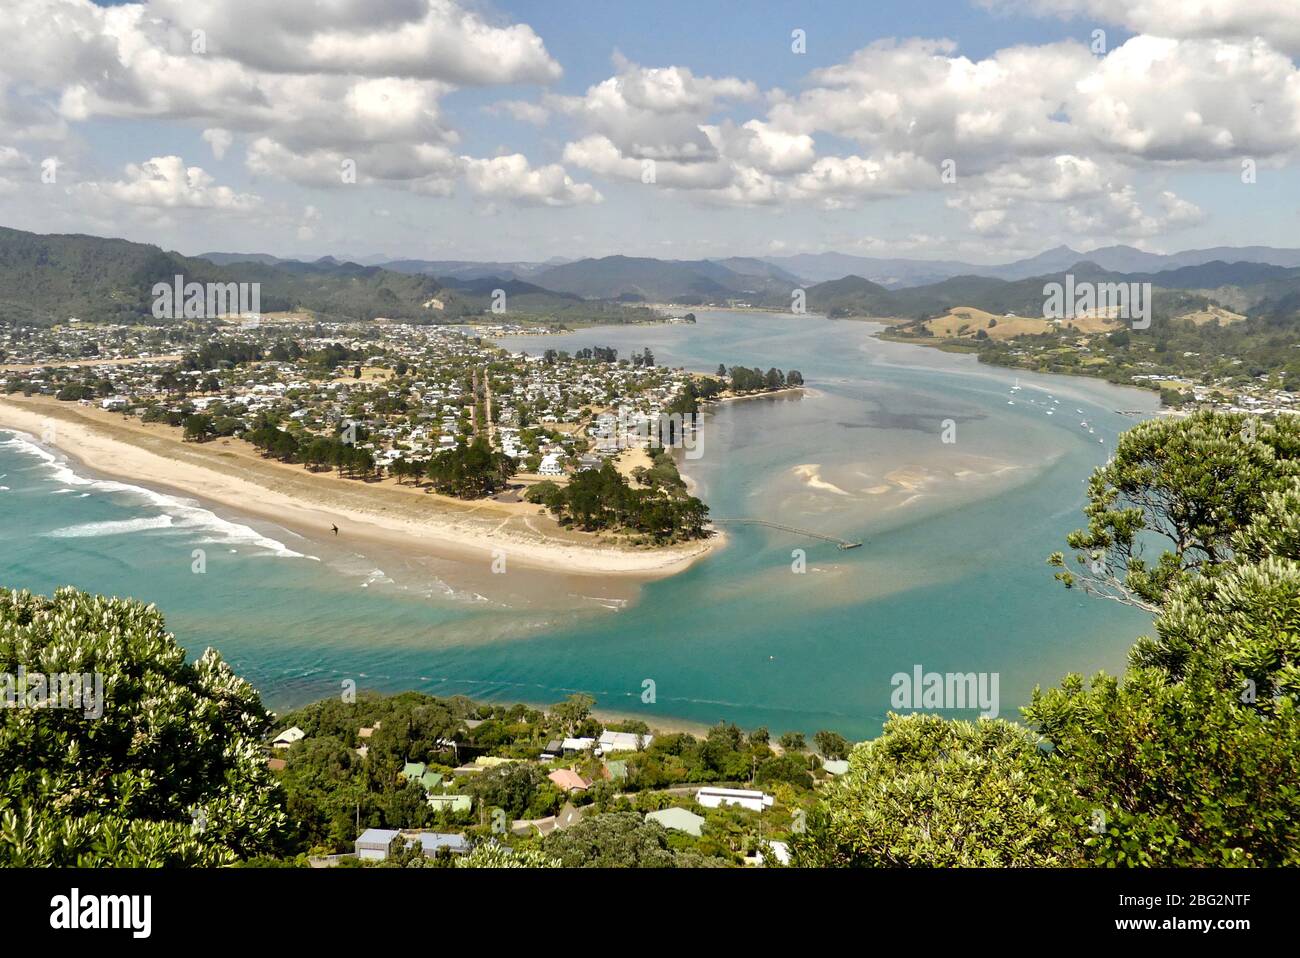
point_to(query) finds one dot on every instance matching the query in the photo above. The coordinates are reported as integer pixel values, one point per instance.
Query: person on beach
(335, 528)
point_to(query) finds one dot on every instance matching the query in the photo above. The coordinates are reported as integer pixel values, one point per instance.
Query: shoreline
(381, 513)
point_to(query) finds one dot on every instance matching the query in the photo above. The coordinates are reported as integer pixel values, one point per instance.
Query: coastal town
(396, 390)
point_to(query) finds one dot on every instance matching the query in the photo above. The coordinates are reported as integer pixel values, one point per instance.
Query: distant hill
(632, 278)
(48, 279)
(899, 273)
(856, 296)
(225, 259)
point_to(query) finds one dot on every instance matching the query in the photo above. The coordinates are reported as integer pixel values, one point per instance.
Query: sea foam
(180, 513)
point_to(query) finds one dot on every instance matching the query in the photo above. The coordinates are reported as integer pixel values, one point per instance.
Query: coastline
(233, 475)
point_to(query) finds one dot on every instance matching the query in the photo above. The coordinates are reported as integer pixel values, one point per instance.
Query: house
(711, 797)
(433, 842)
(375, 844)
(450, 803)
(623, 742)
(430, 780)
(835, 766)
(571, 745)
(413, 771)
(550, 465)
(288, 737)
(778, 852)
(275, 764)
(554, 749)
(678, 819)
(567, 780)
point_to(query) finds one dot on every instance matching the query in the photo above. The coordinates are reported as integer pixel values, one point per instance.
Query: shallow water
(951, 575)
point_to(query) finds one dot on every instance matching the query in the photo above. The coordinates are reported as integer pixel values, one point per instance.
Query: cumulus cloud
(429, 39)
(220, 140)
(166, 182)
(1277, 21)
(841, 181)
(310, 86)
(329, 95)
(511, 178)
(654, 113)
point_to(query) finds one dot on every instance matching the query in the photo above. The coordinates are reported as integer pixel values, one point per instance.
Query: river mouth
(957, 496)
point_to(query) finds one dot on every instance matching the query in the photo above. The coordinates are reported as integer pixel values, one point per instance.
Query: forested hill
(46, 279)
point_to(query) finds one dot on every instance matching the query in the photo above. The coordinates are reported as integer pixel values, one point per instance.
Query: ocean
(958, 478)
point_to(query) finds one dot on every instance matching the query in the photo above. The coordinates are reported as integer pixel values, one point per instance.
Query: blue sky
(983, 130)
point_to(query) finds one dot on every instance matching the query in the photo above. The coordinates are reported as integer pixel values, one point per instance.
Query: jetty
(842, 543)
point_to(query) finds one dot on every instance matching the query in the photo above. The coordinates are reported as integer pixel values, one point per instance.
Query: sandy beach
(232, 473)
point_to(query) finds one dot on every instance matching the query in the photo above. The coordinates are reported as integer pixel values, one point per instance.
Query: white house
(288, 737)
(623, 742)
(711, 797)
(550, 465)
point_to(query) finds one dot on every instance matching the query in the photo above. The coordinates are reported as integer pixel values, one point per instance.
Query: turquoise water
(951, 576)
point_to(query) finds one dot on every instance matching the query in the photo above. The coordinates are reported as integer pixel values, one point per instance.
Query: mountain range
(48, 278)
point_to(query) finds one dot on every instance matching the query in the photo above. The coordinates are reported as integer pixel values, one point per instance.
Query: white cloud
(654, 113)
(839, 181)
(220, 140)
(1277, 21)
(166, 182)
(511, 178)
(428, 39)
(12, 158)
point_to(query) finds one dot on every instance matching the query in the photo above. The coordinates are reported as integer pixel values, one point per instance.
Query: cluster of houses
(379, 844)
(550, 412)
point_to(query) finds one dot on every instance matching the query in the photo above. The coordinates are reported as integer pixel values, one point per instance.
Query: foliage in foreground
(172, 773)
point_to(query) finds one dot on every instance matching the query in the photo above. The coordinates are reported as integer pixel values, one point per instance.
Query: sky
(981, 130)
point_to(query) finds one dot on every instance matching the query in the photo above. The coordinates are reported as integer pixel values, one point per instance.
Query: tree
(520, 789)
(495, 855)
(573, 711)
(793, 741)
(198, 427)
(1187, 485)
(831, 745)
(613, 840)
(930, 792)
(170, 773)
